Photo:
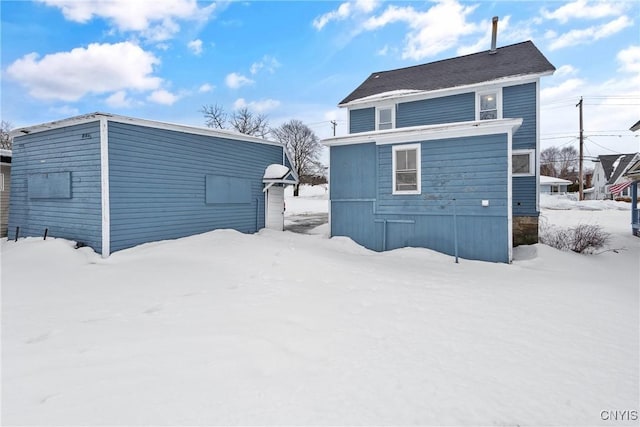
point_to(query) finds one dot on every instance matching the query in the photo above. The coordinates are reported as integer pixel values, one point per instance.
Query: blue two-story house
(443, 155)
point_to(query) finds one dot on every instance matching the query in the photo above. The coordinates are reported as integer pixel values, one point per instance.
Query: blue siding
(468, 169)
(447, 109)
(353, 171)
(362, 120)
(524, 196)
(520, 102)
(72, 151)
(158, 179)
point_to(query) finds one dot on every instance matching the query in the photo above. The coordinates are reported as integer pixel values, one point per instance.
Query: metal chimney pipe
(494, 35)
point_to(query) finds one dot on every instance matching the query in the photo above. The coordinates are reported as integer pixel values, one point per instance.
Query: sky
(164, 60)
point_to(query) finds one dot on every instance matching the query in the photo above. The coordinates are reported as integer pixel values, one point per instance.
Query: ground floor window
(406, 169)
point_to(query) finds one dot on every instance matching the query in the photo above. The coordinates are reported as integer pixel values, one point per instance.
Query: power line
(603, 147)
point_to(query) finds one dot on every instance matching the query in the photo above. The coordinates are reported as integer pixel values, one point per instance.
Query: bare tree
(214, 115)
(244, 121)
(548, 159)
(5, 138)
(303, 145)
(560, 163)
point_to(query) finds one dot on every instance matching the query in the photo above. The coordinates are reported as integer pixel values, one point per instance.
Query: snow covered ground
(283, 328)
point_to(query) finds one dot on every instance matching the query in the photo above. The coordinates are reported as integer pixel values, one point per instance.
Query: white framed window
(385, 117)
(489, 105)
(406, 169)
(523, 163)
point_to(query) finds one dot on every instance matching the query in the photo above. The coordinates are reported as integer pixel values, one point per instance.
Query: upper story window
(489, 105)
(523, 163)
(406, 169)
(385, 117)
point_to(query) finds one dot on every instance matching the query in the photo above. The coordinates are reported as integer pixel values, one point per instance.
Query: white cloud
(162, 96)
(630, 59)
(583, 9)
(261, 106)
(154, 21)
(98, 68)
(430, 32)
(566, 89)
(344, 11)
(591, 34)
(235, 80)
(119, 100)
(565, 70)
(65, 111)
(206, 87)
(383, 51)
(267, 62)
(195, 46)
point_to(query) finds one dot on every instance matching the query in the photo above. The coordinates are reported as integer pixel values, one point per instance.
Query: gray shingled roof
(509, 61)
(608, 160)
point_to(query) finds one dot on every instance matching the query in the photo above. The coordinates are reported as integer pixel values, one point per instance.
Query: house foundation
(525, 230)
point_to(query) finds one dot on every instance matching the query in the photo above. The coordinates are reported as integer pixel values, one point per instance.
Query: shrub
(584, 238)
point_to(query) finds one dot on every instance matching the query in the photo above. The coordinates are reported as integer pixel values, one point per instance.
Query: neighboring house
(112, 182)
(443, 155)
(552, 185)
(5, 188)
(608, 175)
(633, 176)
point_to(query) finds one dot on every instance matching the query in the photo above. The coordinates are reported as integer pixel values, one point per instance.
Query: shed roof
(553, 180)
(86, 118)
(635, 127)
(520, 59)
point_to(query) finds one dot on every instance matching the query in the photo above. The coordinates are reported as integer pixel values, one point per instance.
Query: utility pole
(580, 183)
(334, 124)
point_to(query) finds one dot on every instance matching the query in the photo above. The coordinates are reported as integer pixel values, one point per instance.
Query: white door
(275, 208)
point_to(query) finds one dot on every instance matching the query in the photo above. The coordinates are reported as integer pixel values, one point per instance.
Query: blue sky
(164, 59)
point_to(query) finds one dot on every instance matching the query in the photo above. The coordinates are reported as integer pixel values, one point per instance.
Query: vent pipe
(494, 35)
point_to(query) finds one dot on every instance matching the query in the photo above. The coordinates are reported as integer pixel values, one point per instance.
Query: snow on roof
(388, 94)
(275, 171)
(553, 180)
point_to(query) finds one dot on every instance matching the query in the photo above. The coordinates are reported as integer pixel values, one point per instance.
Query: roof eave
(433, 93)
(427, 132)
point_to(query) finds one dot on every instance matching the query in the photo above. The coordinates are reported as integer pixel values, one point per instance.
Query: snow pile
(279, 328)
(275, 171)
(312, 199)
(569, 201)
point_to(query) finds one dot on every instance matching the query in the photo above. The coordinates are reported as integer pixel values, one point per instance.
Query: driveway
(303, 223)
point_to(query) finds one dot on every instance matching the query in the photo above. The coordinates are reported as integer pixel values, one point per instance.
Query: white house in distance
(553, 185)
(5, 187)
(608, 175)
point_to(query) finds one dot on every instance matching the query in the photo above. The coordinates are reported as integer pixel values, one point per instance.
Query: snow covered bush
(583, 238)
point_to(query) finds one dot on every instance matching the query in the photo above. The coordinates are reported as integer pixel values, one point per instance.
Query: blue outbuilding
(112, 182)
(443, 155)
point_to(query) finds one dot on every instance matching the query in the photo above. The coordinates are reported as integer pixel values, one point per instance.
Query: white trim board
(427, 133)
(104, 187)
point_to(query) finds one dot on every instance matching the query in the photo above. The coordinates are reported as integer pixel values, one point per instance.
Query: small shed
(112, 182)
(553, 185)
(5, 188)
